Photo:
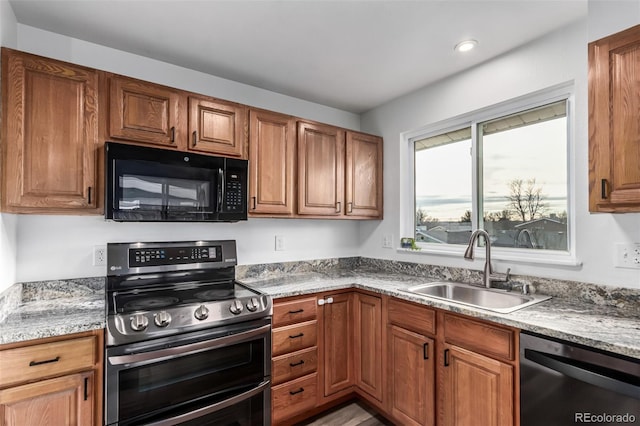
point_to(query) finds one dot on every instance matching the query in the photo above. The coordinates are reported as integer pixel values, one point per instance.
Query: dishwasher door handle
(583, 373)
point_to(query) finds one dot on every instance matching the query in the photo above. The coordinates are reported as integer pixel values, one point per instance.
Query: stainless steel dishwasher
(563, 383)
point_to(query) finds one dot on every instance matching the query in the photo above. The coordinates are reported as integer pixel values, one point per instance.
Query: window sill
(499, 255)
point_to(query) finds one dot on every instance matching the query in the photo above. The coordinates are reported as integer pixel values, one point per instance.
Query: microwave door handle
(221, 186)
(583, 373)
(192, 415)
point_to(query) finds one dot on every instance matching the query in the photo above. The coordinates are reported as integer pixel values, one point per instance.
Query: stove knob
(162, 319)
(139, 322)
(201, 313)
(253, 304)
(236, 307)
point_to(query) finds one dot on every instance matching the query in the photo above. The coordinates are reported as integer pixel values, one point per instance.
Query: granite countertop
(604, 327)
(52, 308)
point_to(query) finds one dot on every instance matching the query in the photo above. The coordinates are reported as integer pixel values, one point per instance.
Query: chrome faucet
(487, 274)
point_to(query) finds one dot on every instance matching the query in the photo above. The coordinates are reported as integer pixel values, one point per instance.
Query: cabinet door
(271, 158)
(364, 175)
(368, 344)
(477, 390)
(217, 127)
(51, 134)
(338, 343)
(614, 129)
(411, 377)
(320, 170)
(146, 112)
(66, 400)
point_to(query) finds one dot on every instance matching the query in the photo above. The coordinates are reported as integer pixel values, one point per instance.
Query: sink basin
(494, 300)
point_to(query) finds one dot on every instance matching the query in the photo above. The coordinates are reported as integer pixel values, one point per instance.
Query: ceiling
(350, 54)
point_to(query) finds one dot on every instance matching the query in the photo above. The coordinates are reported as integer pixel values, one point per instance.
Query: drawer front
(417, 318)
(46, 360)
(294, 337)
(298, 310)
(294, 365)
(480, 337)
(294, 397)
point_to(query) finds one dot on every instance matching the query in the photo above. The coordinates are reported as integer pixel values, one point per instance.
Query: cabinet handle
(295, 336)
(297, 311)
(173, 134)
(603, 189)
(253, 199)
(297, 391)
(338, 207)
(49, 361)
(86, 390)
(195, 135)
(425, 350)
(295, 364)
(89, 195)
(446, 357)
(350, 207)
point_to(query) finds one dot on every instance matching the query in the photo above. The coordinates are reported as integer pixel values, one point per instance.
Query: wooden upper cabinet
(614, 129)
(50, 135)
(217, 127)
(272, 146)
(320, 169)
(363, 175)
(145, 112)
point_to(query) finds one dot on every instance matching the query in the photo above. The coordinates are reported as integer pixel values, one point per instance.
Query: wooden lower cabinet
(368, 348)
(294, 397)
(411, 371)
(52, 381)
(477, 390)
(61, 401)
(338, 343)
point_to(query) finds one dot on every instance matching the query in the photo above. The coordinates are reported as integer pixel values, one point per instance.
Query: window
(505, 172)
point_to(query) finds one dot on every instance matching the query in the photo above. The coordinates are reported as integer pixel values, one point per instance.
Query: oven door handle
(190, 348)
(213, 407)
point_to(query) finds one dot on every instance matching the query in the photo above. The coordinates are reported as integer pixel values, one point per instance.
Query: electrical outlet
(99, 255)
(279, 243)
(628, 255)
(387, 241)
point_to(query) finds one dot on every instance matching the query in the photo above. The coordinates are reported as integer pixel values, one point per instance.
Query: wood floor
(350, 414)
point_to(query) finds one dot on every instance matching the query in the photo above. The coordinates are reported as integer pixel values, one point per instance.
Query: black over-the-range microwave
(156, 185)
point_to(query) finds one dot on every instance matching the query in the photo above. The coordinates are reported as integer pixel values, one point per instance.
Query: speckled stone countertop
(41, 309)
(607, 318)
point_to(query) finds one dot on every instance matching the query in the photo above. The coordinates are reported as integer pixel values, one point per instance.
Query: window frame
(556, 93)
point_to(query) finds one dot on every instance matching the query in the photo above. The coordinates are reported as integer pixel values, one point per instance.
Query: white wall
(8, 223)
(557, 58)
(52, 247)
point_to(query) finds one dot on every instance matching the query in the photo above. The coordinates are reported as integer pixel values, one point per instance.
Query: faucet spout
(487, 274)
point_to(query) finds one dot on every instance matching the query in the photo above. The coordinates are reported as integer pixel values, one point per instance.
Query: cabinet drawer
(417, 318)
(294, 311)
(294, 397)
(294, 337)
(46, 360)
(294, 365)
(480, 337)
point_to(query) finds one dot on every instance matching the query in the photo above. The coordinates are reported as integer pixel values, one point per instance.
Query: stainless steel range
(186, 343)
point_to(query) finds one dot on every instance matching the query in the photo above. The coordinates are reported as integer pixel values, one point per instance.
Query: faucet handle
(501, 278)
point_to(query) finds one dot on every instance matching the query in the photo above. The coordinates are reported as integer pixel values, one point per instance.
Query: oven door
(219, 376)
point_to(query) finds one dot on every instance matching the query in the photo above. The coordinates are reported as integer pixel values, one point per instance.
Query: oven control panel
(159, 256)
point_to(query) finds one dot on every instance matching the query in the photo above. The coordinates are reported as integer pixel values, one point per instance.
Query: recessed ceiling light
(465, 46)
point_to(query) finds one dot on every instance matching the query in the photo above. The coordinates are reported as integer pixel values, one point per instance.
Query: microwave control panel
(234, 199)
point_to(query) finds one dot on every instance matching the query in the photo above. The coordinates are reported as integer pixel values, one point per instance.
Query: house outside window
(505, 170)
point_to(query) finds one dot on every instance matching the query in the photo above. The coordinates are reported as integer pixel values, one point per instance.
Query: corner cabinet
(54, 381)
(339, 172)
(50, 135)
(614, 129)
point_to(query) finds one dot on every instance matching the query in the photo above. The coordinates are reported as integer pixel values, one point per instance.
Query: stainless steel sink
(491, 299)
